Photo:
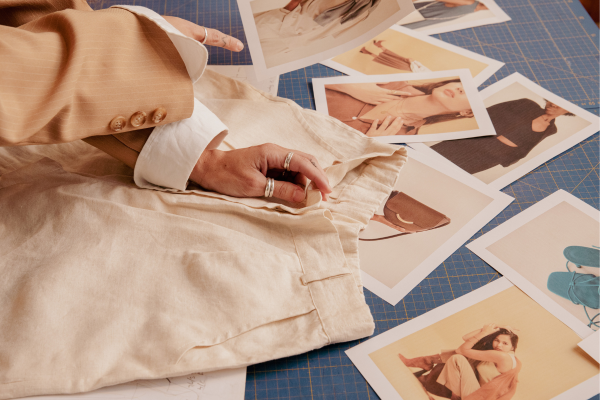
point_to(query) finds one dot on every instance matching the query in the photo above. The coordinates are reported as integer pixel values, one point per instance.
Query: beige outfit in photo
(104, 283)
(458, 374)
(283, 31)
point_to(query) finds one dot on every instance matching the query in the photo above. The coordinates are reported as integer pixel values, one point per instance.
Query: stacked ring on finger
(270, 187)
(205, 36)
(286, 163)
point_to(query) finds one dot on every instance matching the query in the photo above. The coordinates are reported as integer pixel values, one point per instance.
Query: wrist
(201, 170)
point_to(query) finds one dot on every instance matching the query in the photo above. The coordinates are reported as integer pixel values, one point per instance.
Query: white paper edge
(486, 128)
(552, 152)
(492, 65)
(499, 17)
(258, 59)
(591, 345)
(359, 355)
(500, 202)
(480, 245)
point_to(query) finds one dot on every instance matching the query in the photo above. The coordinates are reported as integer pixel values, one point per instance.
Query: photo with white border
(537, 250)
(433, 106)
(546, 350)
(432, 17)
(402, 50)
(286, 35)
(514, 104)
(431, 212)
(591, 345)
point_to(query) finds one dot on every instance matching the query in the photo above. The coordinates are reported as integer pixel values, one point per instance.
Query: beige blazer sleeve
(65, 75)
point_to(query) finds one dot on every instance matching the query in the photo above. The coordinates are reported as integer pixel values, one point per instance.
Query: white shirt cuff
(172, 150)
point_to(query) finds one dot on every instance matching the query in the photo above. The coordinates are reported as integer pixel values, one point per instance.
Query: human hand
(386, 129)
(488, 329)
(215, 37)
(244, 172)
(369, 93)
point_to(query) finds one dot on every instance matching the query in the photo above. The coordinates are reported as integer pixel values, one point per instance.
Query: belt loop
(321, 275)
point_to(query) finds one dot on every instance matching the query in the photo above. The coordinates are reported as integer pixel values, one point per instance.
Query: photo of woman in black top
(520, 126)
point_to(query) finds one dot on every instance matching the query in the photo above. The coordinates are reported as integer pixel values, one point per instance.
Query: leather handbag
(410, 216)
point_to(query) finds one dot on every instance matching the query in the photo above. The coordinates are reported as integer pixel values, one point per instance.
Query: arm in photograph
(292, 5)
(466, 349)
(369, 93)
(456, 3)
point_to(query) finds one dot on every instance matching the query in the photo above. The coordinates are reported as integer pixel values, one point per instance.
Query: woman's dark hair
(435, 119)
(486, 343)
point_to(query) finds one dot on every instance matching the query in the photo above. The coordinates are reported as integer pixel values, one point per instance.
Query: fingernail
(240, 46)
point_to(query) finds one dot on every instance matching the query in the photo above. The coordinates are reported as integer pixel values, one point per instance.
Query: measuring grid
(552, 42)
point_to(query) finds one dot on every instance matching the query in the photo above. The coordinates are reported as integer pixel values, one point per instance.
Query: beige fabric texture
(104, 283)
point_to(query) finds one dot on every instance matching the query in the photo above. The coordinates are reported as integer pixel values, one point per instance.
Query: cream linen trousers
(103, 283)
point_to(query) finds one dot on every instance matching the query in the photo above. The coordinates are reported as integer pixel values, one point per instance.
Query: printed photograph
(532, 125)
(429, 214)
(495, 343)
(427, 107)
(285, 35)
(551, 252)
(441, 16)
(591, 345)
(401, 50)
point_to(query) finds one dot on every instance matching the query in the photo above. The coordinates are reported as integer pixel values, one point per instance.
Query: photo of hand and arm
(483, 367)
(397, 108)
(136, 105)
(435, 12)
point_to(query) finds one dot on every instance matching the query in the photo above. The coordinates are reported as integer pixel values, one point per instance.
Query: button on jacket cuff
(172, 150)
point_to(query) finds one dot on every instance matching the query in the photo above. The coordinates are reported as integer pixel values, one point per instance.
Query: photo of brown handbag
(408, 215)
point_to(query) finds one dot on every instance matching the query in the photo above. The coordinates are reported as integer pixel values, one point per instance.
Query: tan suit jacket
(67, 71)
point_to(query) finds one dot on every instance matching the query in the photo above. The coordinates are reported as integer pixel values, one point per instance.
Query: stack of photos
(285, 35)
(551, 252)
(401, 50)
(430, 213)
(532, 126)
(404, 108)
(439, 16)
(493, 343)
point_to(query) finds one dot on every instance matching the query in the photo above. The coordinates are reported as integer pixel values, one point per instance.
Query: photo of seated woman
(495, 343)
(402, 111)
(532, 126)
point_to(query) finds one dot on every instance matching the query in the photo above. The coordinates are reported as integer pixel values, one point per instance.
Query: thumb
(288, 191)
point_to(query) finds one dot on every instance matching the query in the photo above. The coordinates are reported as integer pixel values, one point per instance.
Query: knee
(457, 360)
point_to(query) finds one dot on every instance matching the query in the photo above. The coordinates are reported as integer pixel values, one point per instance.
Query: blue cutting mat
(553, 43)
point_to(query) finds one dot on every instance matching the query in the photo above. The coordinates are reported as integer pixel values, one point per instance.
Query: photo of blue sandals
(580, 288)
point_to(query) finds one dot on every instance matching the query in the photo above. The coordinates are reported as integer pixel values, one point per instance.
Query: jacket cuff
(172, 150)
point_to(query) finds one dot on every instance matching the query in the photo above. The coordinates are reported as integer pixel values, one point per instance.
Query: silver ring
(205, 35)
(288, 158)
(270, 187)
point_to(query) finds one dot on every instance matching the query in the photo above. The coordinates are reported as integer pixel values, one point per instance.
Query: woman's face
(502, 343)
(452, 96)
(554, 111)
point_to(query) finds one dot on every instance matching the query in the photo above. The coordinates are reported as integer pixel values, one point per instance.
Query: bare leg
(425, 362)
